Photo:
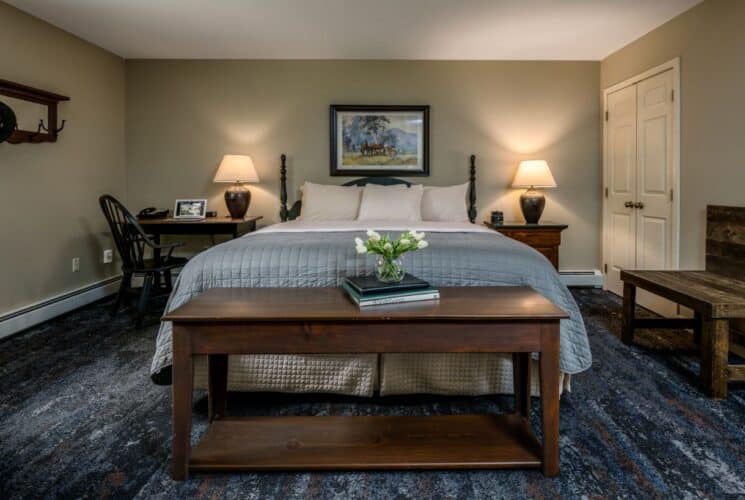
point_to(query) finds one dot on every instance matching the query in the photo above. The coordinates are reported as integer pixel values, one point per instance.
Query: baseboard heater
(592, 278)
(26, 317)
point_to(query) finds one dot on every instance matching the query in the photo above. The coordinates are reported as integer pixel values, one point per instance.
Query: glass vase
(390, 270)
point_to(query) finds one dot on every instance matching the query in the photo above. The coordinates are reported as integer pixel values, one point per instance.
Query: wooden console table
(208, 225)
(226, 321)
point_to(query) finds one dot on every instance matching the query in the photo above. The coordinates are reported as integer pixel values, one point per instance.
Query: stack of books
(368, 291)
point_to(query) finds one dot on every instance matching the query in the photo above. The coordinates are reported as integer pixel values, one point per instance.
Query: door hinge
(606, 116)
(671, 195)
(605, 268)
(672, 95)
(606, 192)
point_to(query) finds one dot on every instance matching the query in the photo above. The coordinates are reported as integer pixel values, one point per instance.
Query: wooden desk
(209, 225)
(226, 321)
(544, 236)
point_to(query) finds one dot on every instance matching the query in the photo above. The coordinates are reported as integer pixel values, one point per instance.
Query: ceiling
(358, 29)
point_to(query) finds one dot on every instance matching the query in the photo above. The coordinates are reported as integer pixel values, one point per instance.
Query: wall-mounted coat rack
(44, 132)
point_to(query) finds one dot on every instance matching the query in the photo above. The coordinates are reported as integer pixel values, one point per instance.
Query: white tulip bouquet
(390, 267)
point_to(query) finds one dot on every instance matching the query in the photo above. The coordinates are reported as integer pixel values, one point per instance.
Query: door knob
(639, 205)
(629, 204)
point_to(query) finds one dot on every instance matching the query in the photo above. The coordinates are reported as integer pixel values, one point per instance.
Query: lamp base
(237, 198)
(532, 203)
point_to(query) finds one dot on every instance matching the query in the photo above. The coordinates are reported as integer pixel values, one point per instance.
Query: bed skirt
(452, 374)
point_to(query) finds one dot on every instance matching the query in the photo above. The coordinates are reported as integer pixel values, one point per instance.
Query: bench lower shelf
(354, 443)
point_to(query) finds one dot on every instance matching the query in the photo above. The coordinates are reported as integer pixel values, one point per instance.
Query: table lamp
(237, 169)
(533, 174)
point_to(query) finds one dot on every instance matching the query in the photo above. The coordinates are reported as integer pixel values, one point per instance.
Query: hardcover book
(366, 285)
(391, 297)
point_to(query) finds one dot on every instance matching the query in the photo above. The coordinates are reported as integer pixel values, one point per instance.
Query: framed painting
(379, 140)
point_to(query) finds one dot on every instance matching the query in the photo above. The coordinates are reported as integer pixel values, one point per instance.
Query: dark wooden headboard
(286, 214)
(725, 241)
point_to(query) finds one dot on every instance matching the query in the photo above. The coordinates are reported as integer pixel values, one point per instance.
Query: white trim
(582, 278)
(674, 65)
(15, 321)
(20, 319)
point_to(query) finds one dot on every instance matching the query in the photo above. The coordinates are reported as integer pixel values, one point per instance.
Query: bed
(312, 253)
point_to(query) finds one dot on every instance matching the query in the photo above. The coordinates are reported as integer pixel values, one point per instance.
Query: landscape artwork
(379, 140)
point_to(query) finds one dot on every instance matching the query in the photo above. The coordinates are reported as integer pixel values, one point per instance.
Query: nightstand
(544, 236)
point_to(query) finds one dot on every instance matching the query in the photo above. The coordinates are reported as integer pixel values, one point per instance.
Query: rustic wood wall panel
(725, 241)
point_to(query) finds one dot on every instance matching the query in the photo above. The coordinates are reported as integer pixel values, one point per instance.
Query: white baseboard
(28, 316)
(585, 278)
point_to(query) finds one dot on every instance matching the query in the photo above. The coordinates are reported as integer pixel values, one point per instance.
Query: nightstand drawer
(540, 238)
(545, 237)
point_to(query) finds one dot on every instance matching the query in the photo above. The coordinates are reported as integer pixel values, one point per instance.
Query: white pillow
(396, 203)
(328, 202)
(446, 204)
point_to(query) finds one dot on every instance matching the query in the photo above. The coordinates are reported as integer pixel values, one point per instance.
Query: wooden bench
(228, 321)
(716, 296)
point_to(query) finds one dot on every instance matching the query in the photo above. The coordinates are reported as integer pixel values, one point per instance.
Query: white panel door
(655, 178)
(621, 157)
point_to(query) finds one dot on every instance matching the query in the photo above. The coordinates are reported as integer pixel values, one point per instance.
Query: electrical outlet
(108, 256)
(75, 264)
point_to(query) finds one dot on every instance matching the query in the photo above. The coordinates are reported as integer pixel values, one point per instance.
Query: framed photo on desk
(190, 209)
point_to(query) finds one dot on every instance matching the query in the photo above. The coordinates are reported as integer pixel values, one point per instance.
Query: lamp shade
(533, 173)
(236, 168)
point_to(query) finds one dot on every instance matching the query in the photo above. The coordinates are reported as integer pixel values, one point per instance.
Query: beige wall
(710, 41)
(48, 192)
(182, 116)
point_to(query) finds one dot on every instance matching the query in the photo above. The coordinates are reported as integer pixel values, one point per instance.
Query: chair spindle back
(129, 238)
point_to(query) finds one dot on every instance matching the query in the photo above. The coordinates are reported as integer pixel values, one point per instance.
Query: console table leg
(182, 400)
(549, 375)
(217, 385)
(629, 304)
(714, 354)
(521, 382)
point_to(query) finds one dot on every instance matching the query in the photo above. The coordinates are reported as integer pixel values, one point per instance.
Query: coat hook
(58, 130)
(39, 128)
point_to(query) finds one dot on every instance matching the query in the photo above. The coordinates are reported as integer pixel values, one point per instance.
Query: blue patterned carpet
(79, 417)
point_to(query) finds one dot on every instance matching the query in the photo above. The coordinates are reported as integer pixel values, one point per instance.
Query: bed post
(472, 191)
(283, 188)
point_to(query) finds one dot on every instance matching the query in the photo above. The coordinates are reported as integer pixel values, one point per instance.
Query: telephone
(153, 213)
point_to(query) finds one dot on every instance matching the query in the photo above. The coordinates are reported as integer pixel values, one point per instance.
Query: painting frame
(338, 146)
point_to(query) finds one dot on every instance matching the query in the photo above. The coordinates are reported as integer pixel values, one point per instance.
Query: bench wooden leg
(183, 384)
(521, 382)
(714, 354)
(549, 377)
(629, 305)
(698, 319)
(217, 385)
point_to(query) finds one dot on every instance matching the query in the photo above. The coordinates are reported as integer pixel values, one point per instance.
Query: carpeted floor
(79, 417)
